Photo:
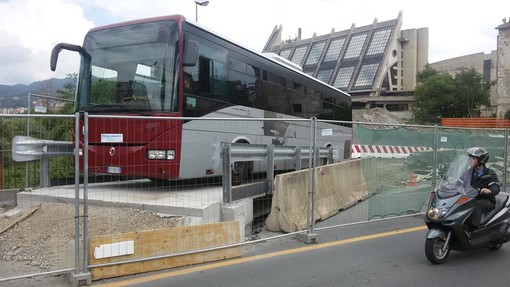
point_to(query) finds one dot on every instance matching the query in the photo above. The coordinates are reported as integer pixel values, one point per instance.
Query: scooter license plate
(113, 169)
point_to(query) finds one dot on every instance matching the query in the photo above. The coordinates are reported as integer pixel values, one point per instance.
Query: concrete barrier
(337, 186)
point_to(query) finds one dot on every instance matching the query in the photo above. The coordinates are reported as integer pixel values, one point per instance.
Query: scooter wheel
(434, 250)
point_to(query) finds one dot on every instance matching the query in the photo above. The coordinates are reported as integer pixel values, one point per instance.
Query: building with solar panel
(376, 64)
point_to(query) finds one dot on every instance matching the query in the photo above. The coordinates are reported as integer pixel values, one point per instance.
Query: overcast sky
(30, 28)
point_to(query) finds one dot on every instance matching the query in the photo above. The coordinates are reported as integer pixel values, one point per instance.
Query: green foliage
(435, 98)
(15, 174)
(441, 95)
(68, 93)
(9, 128)
(472, 91)
(102, 92)
(427, 72)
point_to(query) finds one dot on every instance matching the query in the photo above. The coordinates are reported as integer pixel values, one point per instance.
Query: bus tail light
(161, 154)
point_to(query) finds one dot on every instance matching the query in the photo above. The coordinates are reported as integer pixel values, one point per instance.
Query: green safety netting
(401, 185)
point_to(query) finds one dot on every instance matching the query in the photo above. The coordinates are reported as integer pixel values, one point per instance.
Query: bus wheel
(241, 171)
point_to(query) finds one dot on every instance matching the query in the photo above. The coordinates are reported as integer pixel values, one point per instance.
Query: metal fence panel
(37, 237)
(126, 210)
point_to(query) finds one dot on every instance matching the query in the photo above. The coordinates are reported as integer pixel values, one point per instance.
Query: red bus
(168, 67)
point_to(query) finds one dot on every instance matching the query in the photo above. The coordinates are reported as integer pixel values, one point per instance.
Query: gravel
(41, 240)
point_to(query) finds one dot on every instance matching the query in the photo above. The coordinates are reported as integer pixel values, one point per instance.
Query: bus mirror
(63, 46)
(190, 53)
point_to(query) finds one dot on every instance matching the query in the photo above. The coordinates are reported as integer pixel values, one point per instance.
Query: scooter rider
(488, 188)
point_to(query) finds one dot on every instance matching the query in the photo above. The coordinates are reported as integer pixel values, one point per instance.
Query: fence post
(44, 171)
(270, 168)
(84, 276)
(85, 192)
(227, 180)
(316, 158)
(28, 134)
(77, 192)
(297, 158)
(309, 236)
(505, 160)
(434, 167)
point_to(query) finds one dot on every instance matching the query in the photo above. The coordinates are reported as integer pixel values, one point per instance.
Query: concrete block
(307, 238)
(80, 279)
(242, 211)
(212, 213)
(337, 186)
(8, 195)
(13, 213)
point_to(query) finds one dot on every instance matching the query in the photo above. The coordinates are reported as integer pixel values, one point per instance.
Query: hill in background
(14, 96)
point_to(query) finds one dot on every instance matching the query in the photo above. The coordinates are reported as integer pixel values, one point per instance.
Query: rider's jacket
(491, 183)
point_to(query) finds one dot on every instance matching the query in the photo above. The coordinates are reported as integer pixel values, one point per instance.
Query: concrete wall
(414, 55)
(455, 65)
(503, 69)
(337, 186)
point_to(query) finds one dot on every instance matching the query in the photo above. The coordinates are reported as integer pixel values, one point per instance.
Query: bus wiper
(102, 107)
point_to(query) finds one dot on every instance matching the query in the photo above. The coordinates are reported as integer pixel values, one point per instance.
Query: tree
(68, 92)
(434, 97)
(472, 91)
(427, 72)
(438, 94)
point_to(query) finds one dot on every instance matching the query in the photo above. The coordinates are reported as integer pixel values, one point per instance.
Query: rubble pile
(376, 115)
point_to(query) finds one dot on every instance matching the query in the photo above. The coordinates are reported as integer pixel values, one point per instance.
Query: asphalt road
(383, 253)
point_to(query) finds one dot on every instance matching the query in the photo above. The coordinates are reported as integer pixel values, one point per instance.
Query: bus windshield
(134, 69)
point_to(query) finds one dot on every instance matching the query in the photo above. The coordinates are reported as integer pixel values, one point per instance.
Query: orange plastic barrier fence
(476, 122)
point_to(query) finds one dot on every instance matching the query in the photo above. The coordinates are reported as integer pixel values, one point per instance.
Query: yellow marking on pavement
(190, 270)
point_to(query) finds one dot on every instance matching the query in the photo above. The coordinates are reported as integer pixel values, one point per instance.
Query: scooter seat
(501, 200)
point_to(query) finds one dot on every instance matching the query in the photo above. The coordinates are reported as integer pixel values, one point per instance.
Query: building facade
(503, 69)
(376, 64)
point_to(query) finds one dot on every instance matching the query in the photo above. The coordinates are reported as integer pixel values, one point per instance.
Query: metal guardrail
(233, 152)
(25, 148)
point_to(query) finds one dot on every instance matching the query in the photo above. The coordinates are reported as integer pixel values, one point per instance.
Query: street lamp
(201, 3)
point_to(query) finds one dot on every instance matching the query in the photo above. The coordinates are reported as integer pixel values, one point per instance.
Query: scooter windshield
(457, 179)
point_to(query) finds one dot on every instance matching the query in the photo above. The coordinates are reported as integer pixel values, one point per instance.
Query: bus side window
(204, 74)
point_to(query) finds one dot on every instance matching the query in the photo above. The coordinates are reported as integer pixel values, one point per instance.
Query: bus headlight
(436, 213)
(161, 154)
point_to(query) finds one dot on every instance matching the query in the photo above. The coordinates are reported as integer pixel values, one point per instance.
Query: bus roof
(284, 61)
(139, 21)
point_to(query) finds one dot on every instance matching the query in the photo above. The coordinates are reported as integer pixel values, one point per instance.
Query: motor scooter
(448, 211)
